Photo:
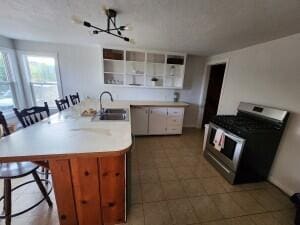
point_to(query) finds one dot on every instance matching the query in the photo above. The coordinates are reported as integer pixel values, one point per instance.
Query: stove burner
(242, 123)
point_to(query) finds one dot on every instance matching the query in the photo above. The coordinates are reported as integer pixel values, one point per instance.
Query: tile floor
(172, 184)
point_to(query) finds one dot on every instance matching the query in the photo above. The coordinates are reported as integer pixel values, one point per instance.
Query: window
(7, 95)
(43, 79)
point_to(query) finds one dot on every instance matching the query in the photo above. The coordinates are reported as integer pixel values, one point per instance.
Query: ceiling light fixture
(111, 28)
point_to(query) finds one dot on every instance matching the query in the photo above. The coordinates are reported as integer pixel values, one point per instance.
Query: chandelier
(111, 27)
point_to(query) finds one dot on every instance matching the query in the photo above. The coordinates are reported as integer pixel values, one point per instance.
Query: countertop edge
(64, 156)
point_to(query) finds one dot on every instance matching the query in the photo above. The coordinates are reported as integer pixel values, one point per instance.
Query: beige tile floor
(172, 184)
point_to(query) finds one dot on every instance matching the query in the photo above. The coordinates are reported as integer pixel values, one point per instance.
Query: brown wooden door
(216, 76)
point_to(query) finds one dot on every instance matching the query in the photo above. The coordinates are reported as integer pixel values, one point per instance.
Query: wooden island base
(90, 190)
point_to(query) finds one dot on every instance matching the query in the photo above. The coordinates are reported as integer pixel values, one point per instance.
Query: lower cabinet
(157, 120)
(139, 120)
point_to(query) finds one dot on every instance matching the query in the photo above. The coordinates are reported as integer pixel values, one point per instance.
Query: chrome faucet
(100, 98)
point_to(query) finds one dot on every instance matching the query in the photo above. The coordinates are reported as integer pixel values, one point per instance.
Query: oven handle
(220, 164)
(228, 134)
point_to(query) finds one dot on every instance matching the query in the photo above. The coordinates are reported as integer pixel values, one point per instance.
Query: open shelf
(134, 80)
(174, 70)
(114, 78)
(156, 58)
(135, 68)
(159, 83)
(113, 54)
(113, 66)
(135, 56)
(154, 69)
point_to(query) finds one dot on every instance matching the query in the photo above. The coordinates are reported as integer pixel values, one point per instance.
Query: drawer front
(174, 129)
(174, 121)
(175, 111)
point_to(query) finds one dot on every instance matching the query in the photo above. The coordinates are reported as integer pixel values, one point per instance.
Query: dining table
(86, 158)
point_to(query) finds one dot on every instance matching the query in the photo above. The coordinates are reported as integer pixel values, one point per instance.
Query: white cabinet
(143, 69)
(139, 120)
(157, 120)
(165, 120)
(174, 120)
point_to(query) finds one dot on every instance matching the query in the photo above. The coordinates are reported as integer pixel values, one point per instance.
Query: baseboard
(189, 126)
(281, 186)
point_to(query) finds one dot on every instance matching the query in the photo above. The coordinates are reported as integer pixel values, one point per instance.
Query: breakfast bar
(86, 157)
(86, 160)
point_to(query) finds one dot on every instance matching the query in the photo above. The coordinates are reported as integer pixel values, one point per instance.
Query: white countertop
(67, 133)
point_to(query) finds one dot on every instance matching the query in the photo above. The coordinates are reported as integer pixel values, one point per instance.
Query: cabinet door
(139, 120)
(157, 120)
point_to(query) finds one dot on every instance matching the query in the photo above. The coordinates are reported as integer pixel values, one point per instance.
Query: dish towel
(219, 139)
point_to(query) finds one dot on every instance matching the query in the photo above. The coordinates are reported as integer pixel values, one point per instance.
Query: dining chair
(30, 116)
(75, 98)
(62, 104)
(14, 170)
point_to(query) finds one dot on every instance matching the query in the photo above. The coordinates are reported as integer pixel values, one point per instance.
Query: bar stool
(9, 171)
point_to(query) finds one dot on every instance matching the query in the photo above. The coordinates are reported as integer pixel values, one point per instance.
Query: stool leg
(3, 197)
(47, 175)
(7, 201)
(42, 188)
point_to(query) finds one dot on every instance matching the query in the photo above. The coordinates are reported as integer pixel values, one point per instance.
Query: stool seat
(16, 169)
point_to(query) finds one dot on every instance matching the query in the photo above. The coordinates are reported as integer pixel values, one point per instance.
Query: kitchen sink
(115, 111)
(112, 114)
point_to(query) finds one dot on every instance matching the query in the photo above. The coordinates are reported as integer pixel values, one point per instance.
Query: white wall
(81, 70)
(6, 42)
(191, 90)
(269, 74)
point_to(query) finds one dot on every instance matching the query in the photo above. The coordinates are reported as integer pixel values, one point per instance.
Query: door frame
(205, 82)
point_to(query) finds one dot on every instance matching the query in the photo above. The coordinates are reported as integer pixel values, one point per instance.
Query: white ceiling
(201, 27)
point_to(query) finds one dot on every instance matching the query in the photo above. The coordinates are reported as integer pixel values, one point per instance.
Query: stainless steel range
(242, 147)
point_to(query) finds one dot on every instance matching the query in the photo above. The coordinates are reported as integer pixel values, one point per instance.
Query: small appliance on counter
(242, 147)
(176, 96)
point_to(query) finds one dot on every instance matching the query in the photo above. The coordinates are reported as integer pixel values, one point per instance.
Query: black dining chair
(9, 171)
(62, 104)
(75, 99)
(30, 116)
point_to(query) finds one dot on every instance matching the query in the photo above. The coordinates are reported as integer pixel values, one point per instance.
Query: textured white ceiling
(195, 26)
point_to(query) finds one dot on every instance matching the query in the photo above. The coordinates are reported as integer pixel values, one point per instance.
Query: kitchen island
(87, 160)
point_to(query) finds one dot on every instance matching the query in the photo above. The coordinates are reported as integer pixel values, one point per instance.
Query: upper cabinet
(135, 68)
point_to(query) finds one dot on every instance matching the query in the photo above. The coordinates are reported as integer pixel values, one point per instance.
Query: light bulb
(93, 32)
(128, 27)
(103, 9)
(77, 19)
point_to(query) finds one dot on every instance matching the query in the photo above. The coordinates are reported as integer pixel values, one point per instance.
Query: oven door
(233, 147)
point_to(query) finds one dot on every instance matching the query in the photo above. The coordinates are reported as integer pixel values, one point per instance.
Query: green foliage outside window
(42, 69)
